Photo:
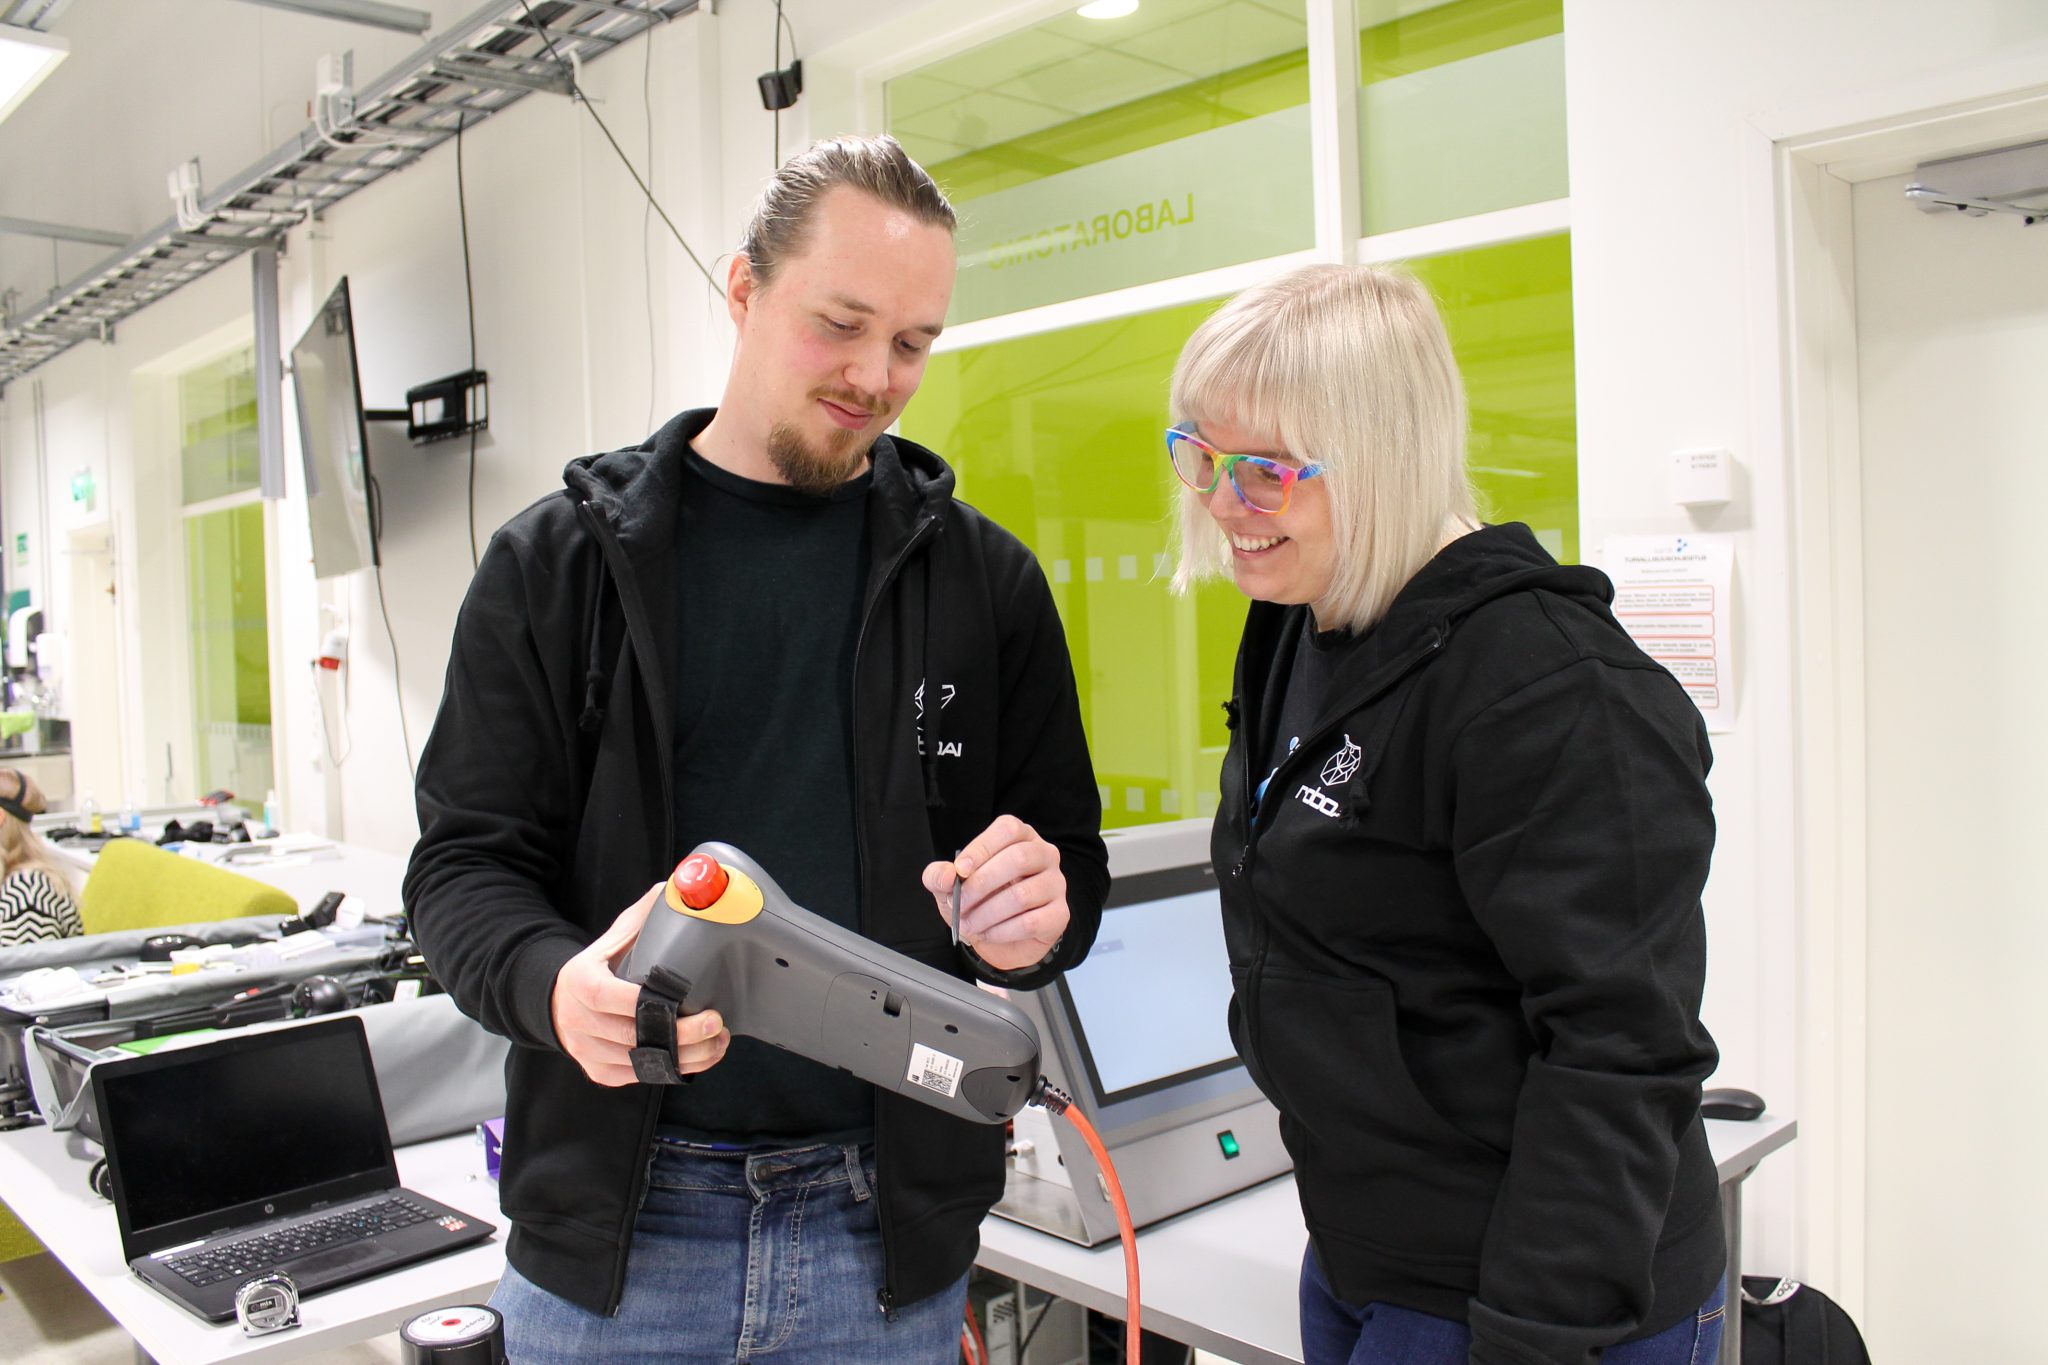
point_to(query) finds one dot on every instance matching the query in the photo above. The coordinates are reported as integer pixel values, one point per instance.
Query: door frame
(1802, 164)
(99, 748)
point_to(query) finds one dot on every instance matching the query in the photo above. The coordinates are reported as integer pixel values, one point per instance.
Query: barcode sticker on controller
(934, 1070)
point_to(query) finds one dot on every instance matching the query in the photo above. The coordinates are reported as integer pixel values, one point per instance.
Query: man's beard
(815, 469)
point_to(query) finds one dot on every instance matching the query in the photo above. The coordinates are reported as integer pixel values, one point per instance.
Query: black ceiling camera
(780, 88)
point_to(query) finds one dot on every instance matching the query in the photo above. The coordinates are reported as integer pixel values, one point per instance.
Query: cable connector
(1053, 1099)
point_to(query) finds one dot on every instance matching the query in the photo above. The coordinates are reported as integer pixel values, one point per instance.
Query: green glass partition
(1058, 437)
(1460, 109)
(230, 642)
(1508, 310)
(227, 594)
(1089, 155)
(1086, 156)
(218, 453)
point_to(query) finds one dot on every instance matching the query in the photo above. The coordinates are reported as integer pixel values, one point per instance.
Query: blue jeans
(738, 1257)
(1335, 1333)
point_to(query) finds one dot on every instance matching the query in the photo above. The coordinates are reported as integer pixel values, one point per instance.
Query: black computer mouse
(1727, 1102)
(158, 948)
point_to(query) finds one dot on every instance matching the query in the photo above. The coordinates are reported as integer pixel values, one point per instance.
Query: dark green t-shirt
(769, 617)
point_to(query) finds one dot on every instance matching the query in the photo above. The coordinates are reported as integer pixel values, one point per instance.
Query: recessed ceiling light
(1107, 9)
(26, 56)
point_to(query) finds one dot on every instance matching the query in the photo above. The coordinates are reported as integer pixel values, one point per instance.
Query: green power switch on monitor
(1228, 1142)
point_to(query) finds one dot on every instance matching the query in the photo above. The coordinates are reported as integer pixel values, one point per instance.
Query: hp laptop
(259, 1152)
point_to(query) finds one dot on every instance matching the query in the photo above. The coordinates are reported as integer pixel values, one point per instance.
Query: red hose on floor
(972, 1345)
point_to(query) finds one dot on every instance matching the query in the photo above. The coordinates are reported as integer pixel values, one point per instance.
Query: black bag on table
(1787, 1323)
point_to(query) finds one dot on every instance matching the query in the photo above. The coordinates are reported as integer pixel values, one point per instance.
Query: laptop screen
(224, 1129)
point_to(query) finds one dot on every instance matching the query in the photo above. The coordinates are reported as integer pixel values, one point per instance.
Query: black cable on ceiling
(576, 90)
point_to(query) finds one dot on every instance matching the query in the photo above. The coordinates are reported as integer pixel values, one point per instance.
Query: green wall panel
(218, 453)
(1058, 437)
(227, 596)
(1508, 310)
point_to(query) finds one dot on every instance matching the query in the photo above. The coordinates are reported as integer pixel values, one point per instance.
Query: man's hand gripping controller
(724, 936)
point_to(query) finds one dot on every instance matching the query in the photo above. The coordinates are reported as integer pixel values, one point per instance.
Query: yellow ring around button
(741, 902)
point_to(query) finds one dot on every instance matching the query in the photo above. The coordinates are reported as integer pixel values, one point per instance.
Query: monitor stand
(1170, 1160)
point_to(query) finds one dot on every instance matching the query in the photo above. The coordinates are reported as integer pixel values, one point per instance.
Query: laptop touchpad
(336, 1258)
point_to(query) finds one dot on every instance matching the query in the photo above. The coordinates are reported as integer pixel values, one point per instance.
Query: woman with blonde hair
(35, 892)
(1463, 832)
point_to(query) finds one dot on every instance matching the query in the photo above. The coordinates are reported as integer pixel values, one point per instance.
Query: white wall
(1673, 271)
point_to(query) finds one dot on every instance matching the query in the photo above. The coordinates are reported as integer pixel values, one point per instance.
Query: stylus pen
(955, 917)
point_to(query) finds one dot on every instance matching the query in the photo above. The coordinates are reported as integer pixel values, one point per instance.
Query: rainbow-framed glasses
(1260, 483)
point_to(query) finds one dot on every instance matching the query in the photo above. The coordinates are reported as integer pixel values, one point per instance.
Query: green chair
(16, 1241)
(134, 885)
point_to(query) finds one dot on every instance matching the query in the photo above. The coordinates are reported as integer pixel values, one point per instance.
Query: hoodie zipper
(614, 556)
(885, 1297)
(1255, 974)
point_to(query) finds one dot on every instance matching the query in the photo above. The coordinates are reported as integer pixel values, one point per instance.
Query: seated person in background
(36, 901)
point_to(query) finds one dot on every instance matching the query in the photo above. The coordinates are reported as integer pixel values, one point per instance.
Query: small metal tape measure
(268, 1303)
(466, 1334)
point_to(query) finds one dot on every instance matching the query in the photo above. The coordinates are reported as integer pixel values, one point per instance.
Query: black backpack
(1788, 1323)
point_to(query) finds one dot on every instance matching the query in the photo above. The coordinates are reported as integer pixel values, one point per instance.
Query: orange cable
(973, 1330)
(1132, 1333)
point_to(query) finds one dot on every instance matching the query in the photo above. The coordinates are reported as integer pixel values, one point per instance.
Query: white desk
(1226, 1277)
(364, 872)
(1223, 1277)
(44, 1183)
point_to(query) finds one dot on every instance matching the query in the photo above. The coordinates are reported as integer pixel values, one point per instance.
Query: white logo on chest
(1317, 800)
(1343, 765)
(947, 748)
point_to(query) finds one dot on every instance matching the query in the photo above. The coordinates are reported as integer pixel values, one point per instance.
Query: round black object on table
(464, 1334)
(1728, 1102)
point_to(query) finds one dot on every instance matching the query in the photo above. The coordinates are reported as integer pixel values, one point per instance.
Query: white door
(92, 682)
(1952, 350)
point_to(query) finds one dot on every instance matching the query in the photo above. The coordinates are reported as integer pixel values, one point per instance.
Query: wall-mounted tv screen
(334, 441)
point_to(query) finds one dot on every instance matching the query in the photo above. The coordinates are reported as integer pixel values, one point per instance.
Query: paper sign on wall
(1671, 594)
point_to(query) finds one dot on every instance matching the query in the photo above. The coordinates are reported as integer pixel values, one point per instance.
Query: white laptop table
(44, 1183)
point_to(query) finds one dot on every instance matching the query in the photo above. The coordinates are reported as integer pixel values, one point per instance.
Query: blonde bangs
(1348, 367)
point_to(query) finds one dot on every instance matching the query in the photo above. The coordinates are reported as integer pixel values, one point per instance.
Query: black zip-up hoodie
(546, 808)
(1468, 951)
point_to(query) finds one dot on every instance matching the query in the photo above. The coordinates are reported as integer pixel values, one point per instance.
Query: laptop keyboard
(255, 1255)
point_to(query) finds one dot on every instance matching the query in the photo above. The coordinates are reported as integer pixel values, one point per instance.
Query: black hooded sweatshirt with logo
(1468, 952)
(546, 806)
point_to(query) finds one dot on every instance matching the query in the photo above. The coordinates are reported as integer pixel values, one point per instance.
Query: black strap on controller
(654, 1028)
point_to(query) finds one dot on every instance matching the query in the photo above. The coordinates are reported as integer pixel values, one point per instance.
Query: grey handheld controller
(724, 936)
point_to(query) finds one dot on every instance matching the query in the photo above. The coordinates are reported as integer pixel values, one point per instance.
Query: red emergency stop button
(699, 881)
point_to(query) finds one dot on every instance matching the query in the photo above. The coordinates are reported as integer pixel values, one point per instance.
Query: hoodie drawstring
(593, 665)
(927, 719)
